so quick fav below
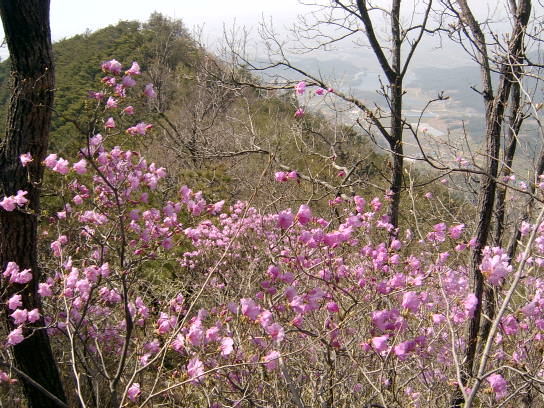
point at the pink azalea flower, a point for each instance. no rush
(15, 336)
(129, 110)
(153, 346)
(304, 214)
(78, 200)
(5, 378)
(80, 167)
(292, 175)
(217, 207)
(499, 385)
(456, 231)
(470, 304)
(112, 66)
(21, 277)
(299, 113)
(56, 246)
(276, 332)
(134, 69)
(332, 307)
(50, 161)
(19, 316)
(8, 203)
(110, 81)
(411, 301)
(376, 204)
(396, 245)
(179, 343)
(110, 123)
(250, 308)
(111, 103)
(280, 176)
(14, 302)
(120, 91)
(11, 269)
(509, 325)
(285, 219)
(380, 343)
(25, 159)
(196, 333)
(149, 91)
(402, 349)
(11, 202)
(96, 95)
(134, 392)
(139, 129)
(462, 162)
(33, 315)
(271, 360)
(212, 334)
(128, 81)
(525, 228)
(319, 91)
(95, 140)
(273, 271)
(195, 369)
(300, 88)
(265, 318)
(226, 346)
(165, 323)
(61, 166)
(495, 267)
(438, 318)
(20, 199)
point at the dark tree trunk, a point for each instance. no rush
(397, 153)
(515, 122)
(393, 70)
(396, 93)
(26, 26)
(495, 105)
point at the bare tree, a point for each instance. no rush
(495, 100)
(341, 20)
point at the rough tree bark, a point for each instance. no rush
(495, 104)
(26, 26)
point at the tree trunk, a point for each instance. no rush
(397, 156)
(495, 106)
(26, 26)
(396, 93)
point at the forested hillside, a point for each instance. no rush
(210, 130)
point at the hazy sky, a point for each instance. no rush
(70, 17)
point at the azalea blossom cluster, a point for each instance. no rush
(10, 203)
(300, 90)
(283, 176)
(328, 283)
(178, 296)
(118, 84)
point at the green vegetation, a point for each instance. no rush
(202, 115)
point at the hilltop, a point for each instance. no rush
(211, 132)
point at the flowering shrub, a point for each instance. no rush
(157, 298)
